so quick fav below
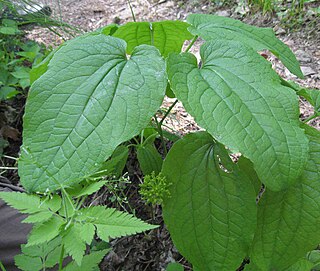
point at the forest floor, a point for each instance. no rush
(154, 250)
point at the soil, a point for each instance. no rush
(154, 250)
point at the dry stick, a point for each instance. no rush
(13, 187)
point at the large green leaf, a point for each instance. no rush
(167, 36)
(288, 221)
(90, 100)
(211, 211)
(211, 27)
(238, 99)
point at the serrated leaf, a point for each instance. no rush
(53, 203)
(25, 203)
(89, 262)
(239, 100)
(288, 221)
(167, 36)
(38, 217)
(73, 243)
(111, 223)
(149, 159)
(91, 99)
(211, 27)
(211, 211)
(48, 254)
(45, 232)
(86, 232)
(27, 263)
(91, 188)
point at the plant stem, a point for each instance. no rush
(311, 117)
(161, 135)
(191, 44)
(61, 258)
(168, 111)
(132, 12)
(10, 157)
(2, 267)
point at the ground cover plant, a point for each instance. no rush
(96, 96)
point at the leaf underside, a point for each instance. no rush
(211, 27)
(211, 211)
(288, 221)
(91, 99)
(239, 100)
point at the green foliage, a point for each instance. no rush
(39, 256)
(246, 96)
(75, 226)
(211, 27)
(83, 142)
(296, 212)
(200, 213)
(154, 188)
(167, 36)
(149, 158)
(96, 92)
(174, 267)
(17, 56)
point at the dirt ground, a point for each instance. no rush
(153, 251)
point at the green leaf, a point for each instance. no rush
(47, 254)
(86, 232)
(91, 99)
(8, 30)
(211, 27)
(89, 262)
(27, 263)
(42, 67)
(38, 217)
(301, 265)
(288, 221)
(246, 166)
(174, 267)
(115, 164)
(167, 36)
(90, 189)
(149, 159)
(73, 243)
(111, 223)
(45, 232)
(211, 211)
(21, 72)
(239, 100)
(7, 92)
(53, 203)
(26, 204)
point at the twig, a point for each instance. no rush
(13, 187)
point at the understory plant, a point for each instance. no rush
(102, 89)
